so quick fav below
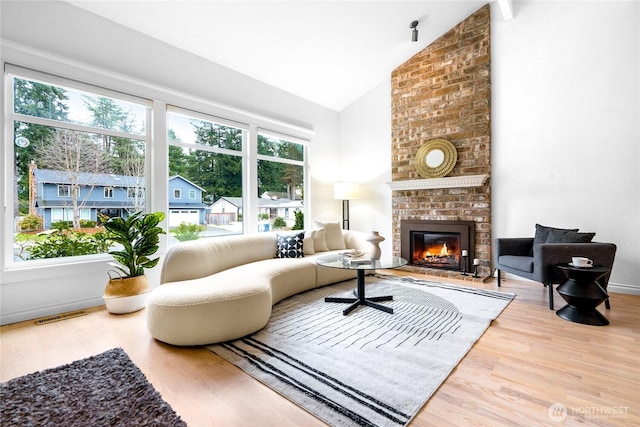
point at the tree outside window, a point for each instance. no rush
(208, 155)
(76, 156)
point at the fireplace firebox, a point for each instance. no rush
(436, 250)
(437, 244)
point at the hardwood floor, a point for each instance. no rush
(528, 360)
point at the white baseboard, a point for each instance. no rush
(618, 288)
(621, 288)
(21, 316)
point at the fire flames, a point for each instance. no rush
(443, 252)
(437, 255)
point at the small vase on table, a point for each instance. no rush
(374, 239)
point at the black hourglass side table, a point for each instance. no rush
(583, 294)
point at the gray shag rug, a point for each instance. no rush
(368, 368)
(103, 390)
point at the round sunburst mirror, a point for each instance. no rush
(436, 158)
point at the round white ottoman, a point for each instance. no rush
(208, 310)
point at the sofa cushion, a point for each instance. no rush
(319, 240)
(202, 257)
(522, 263)
(308, 248)
(290, 246)
(209, 309)
(285, 278)
(569, 236)
(333, 235)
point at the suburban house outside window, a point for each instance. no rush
(206, 155)
(281, 178)
(78, 150)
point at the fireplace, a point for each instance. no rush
(435, 250)
(438, 244)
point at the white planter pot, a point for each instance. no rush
(123, 305)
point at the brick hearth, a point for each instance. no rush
(444, 91)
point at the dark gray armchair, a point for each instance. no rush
(534, 260)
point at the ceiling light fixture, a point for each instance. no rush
(414, 33)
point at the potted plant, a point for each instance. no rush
(138, 236)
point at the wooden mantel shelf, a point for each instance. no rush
(446, 182)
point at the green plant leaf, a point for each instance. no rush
(138, 235)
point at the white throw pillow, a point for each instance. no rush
(333, 234)
(308, 246)
(318, 239)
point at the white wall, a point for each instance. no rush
(365, 151)
(57, 37)
(565, 127)
(565, 123)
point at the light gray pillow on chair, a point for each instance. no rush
(569, 236)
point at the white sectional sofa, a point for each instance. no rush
(222, 288)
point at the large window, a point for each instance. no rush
(81, 154)
(205, 162)
(78, 153)
(208, 157)
(280, 181)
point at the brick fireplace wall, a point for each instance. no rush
(444, 91)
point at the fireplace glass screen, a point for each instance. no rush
(436, 250)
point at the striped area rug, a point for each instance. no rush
(368, 368)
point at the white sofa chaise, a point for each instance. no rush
(222, 288)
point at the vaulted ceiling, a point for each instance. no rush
(329, 52)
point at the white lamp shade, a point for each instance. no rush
(346, 190)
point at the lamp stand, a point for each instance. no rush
(345, 214)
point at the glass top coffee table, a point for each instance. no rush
(361, 265)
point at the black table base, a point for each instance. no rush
(579, 315)
(360, 299)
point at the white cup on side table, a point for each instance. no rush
(579, 261)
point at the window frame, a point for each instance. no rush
(64, 191)
(16, 59)
(242, 154)
(11, 72)
(301, 163)
(132, 193)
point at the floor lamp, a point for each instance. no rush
(345, 191)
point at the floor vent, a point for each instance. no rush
(58, 317)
